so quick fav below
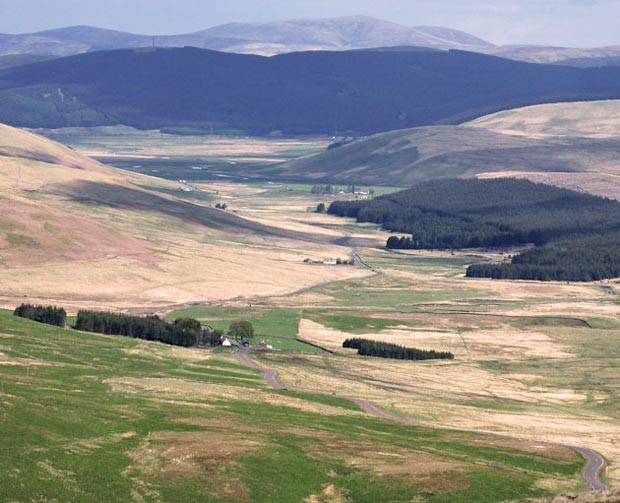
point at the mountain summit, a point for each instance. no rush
(355, 32)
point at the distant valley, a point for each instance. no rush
(307, 261)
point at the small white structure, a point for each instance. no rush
(226, 343)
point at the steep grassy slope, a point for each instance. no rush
(73, 228)
(311, 92)
(411, 155)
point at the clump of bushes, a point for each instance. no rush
(366, 347)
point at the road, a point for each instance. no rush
(591, 473)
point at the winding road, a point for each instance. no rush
(591, 473)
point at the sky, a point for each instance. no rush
(575, 23)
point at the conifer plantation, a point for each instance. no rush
(51, 315)
(576, 236)
(366, 347)
(185, 332)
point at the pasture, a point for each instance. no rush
(158, 423)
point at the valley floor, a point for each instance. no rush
(533, 361)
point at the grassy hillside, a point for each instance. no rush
(70, 223)
(408, 156)
(595, 119)
(83, 413)
(311, 92)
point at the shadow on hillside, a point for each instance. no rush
(118, 196)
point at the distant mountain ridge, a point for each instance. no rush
(317, 92)
(570, 56)
(271, 38)
(355, 32)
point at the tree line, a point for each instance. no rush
(366, 347)
(330, 189)
(575, 235)
(184, 332)
(50, 315)
(587, 259)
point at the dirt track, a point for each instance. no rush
(596, 462)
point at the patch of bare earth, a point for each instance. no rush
(400, 466)
(205, 455)
(329, 494)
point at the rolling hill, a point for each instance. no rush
(593, 119)
(300, 93)
(408, 156)
(353, 32)
(73, 228)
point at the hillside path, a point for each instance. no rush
(591, 473)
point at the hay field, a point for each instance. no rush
(175, 156)
(123, 141)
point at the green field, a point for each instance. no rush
(277, 327)
(148, 422)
